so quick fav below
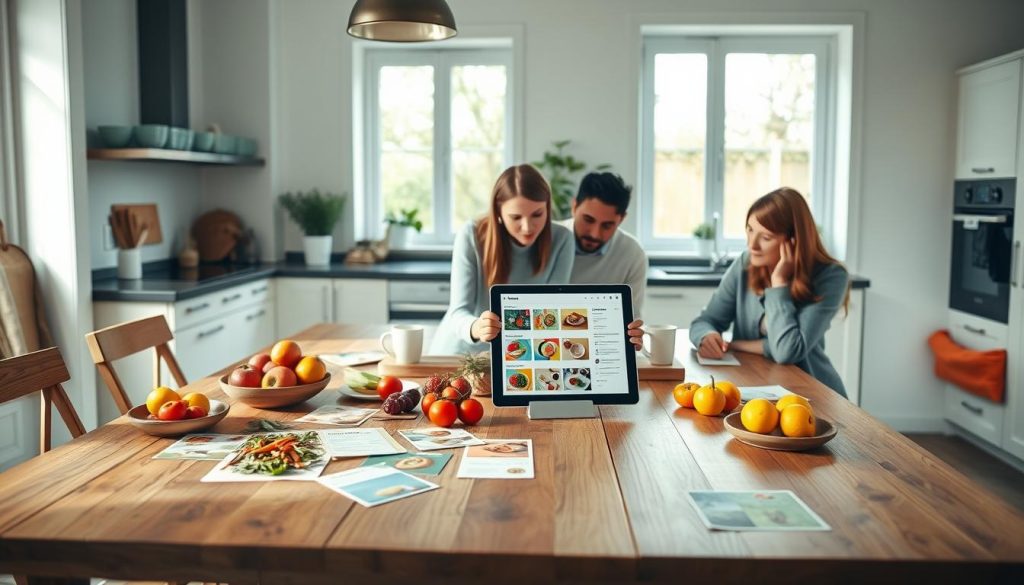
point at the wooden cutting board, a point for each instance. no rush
(145, 213)
(648, 372)
(432, 364)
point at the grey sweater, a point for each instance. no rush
(470, 296)
(795, 331)
(621, 261)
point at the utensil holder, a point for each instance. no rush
(129, 263)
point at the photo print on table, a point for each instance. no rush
(516, 320)
(545, 319)
(518, 380)
(548, 378)
(575, 348)
(547, 349)
(575, 319)
(577, 379)
(518, 350)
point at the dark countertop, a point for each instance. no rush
(163, 282)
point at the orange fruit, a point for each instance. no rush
(197, 399)
(683, 393)
(759, 416)
(709, 400)
(792, 399)
(286, 353)
(732, 394)
(158, 397)
(797, 420)
(310, 369)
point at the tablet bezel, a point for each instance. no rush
(632, 396)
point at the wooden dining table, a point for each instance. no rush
(609, 503)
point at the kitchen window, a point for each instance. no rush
(437, 134)
(724, 121)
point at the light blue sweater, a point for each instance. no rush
(795, 331)
(470, 296)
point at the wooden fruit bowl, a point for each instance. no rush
(824, 432)
(139, 416)
(274, 397)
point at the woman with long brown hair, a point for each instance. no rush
(515, 243)
(781, 294)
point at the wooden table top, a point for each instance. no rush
(609, 502)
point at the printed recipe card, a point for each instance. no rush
(376, 485)
(498, 459)
(431, 439)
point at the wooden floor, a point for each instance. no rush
(977, 464)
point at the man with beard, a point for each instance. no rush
(604, 253)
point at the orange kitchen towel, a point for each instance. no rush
(978, 372)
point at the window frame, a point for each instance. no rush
(717, 47)
(443, 61)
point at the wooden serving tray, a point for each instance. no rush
(432, 364)
(645, 371)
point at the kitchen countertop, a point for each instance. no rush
(162, 282)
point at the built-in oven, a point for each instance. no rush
(983, 254)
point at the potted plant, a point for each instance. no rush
(561, 171)
(316, 214)
(705, 234)
(399, 226)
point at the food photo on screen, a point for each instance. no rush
(548, 379)
(577, 379)
(517, 349)
(575, 348)
(545, 319)
(517, 319)
(546, 349)
(575, 319)
(518, 380)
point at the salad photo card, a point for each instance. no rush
(295, 455)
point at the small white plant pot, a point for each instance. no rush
(317, 250)
(704, 248)
(398, 237)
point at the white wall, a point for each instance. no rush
(581, 62)
(110, 55)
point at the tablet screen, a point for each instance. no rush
(563, 344)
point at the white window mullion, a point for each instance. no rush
(442, 150)
(715, 158)
(372, 206)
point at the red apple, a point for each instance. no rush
(279, 377)
(173, 410)
(269, 366)
(195, 412)
(245, 376)
(259, 360)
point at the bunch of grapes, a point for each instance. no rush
(400, 402)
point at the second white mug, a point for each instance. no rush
(663, 344)
(404, 343)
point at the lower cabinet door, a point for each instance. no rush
(208, 347)
(302, 302)
(256, 328)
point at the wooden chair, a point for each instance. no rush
(118, 341)
(40, 371)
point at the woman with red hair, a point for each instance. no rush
(781, 294)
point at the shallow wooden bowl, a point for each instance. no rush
(274, 397)
(824, 432)
(139, 416)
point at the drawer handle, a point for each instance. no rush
(255, 315)
(233, 297)
(210, 332)
(1013, 263)
(259, 290)
(975, 330)
(194, 308)
(445, 288)
(983, 170)
(666, 295)
(970, 407)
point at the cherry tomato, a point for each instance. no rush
(443, 413)
(428, 399)
(451, 393)
(387, 386)
(471, 411)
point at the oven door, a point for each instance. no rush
(980, 275)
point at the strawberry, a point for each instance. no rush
(435, 384)
(463, 386)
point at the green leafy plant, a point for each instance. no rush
(562, 172)
(405, 217)
(704, 231)
(315, 212)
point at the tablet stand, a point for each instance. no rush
(562, 409)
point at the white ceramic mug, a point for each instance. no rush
(663, 344)
(404, 343)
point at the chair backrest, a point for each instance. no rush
(40, 371)
(118, 341)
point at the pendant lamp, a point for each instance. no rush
(402, 21)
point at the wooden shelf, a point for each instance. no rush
(173, 156)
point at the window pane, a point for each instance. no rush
(769, 130)
(406, 173)
(478, 137)
(680, 128)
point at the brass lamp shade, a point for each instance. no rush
(402, 21)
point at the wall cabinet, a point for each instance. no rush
(987, 121)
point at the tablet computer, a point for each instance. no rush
(563, 343)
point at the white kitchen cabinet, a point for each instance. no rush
(988, 119)
(1013, 427)
(302, 302)
(360, 301)
(675, 305)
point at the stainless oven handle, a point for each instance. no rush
(966, 218)
(1014, 262)
(983, 170)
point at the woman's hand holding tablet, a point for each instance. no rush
(487, 327)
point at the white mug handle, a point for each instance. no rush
(643, 346)
(385, 344)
